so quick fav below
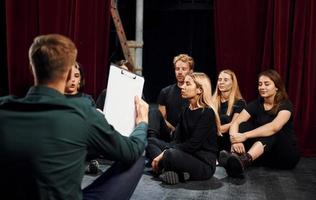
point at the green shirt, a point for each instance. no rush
(44, 138)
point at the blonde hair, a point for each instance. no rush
(233, 96)
(184, 58)
(203, 82)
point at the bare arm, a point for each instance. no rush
(141, 111)
(242, 117)
(163, 111)
(225, 127)
(264, 130)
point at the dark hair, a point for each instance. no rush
(281, 94)
(51, 56)
(82, 77)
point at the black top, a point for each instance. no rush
(44, 139)
(101, 100)
(238, 106)
(260, 116)
(170, 97)
(196, 134)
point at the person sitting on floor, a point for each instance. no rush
(162, 121)
(192, 154)
(76, 83)
(229, 103)
(45, 136)
(263, 132)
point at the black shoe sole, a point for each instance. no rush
(234, 166)
(169, 177)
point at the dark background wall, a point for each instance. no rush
(170, 28)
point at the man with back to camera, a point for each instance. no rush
(45, 136)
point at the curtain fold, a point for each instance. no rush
(85, 22)
(252, 36)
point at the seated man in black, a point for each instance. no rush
(170, 104)
(45, 136)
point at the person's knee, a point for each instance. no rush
(170, 154)
(168, 158)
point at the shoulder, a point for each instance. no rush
(166, 92)
(254, 106)
(169, 88)
(255, 102)
(286, 105)
(240, 102)
(208, 112)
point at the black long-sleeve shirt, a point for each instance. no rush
(196, 134)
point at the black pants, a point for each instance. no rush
(157, 126)
(280, 150)
(158, 134)
(154, 147)
(118, 182)
(223, 142)
(179, 161)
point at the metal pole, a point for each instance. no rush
(139, 36)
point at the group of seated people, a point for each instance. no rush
(47, 136)
(194, 128)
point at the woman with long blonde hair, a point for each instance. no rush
(192, 154)
(228, 102)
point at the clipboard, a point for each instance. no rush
(119, 106)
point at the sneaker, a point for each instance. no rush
(171, 177)
(223, 157)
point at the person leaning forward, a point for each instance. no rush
(45, 136)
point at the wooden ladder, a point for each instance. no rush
(120, 32)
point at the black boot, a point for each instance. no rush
(223, 157)
(236, 164)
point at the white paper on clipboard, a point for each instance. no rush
(119, 106)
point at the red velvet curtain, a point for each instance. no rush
(85, 22)
(255, 35)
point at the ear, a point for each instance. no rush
(198, 90)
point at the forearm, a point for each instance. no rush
(262, 131)
(170, 126)
(234, 128)
(225, 128)
(139, 135)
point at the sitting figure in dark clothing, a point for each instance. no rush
(229, 103)
(192, 154)
(263, 132)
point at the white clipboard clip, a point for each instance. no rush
(128, 74)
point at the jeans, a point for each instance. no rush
(118, 182)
